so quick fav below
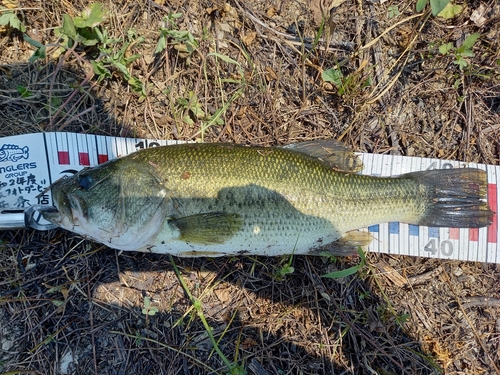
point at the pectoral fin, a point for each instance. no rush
(208, 228)
(331, 152)
(346, 245)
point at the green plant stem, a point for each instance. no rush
(199, 311)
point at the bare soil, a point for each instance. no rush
(70, 306)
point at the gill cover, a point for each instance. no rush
(120, 203)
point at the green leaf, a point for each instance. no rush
(25, 93)
(10, 18)
(467, 53)
(90, 17)
(421, 4)
(16, 24)
(69, 27)
(175, 15)
(348, 271)
(198, 112)
(183, 102)
(438, 5)
(469, 42)
(128, 60)
(450, 11)
(287, 270)
(342, 273)
(137, 86)
(80, 22)
(334, 76)
(224, 58)
(162, 44)
(393, 11)
(39, 53)
(403, 318)
(122, 68)
(460, 61)
(153, 310)
(5, 18)
(445, 48)
(217, 120)
(33, 42)
(96, 15)
(187, 119)
(100, 70)
(88, 37)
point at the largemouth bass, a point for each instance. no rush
(224, 199)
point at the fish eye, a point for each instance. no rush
(85, 182)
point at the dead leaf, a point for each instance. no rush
(391, 274)
(478, 15)
(271, 12)
(321, 8)
(223, 294)
(248, 343)
(225, 27)
(248, 38)
(10, 4)
(336, 3)
(229, 13)
(270, 75)
(65, 293)
(442, 353)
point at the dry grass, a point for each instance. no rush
(70, 306)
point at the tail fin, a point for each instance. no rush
(456, 198)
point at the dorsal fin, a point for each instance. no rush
(330, 151)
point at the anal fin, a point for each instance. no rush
(347, 245)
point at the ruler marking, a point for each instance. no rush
(482, 233)
(62, 149)
(463, 244)
(495, 174)
(120, 148)
(413, 230)
(112, 148)
(83, 152)
(52, 141)
(427, 246)
(384, 227)
(73, 149)
(395, 228)
(373, 229)
(473, 233)
(91, 146)
(454, 233)
(49, 171)
(381, 230)
(493, 201)
(102, 149)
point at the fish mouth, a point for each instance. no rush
(68, 213)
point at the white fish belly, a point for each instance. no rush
(256, 238)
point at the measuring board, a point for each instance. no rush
(30, 163)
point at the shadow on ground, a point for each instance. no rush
(70, 306)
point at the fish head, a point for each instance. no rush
(121, 203)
